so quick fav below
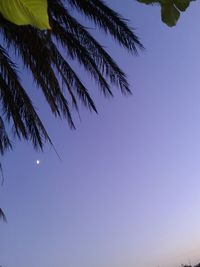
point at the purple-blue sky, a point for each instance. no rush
(127, 192)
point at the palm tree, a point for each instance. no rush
(41, 53)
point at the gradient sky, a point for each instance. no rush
(127, 191)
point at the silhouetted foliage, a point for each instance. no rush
(2, 216)
(170, 9)
(188, 265)
(40, 52)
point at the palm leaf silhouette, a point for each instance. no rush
(41, 53)
(2, 216)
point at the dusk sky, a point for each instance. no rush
(127, 189)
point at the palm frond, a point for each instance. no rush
(70, 79)
(37, 58)
(102, 59)
(77, 51)
(108, 20)
(2, 216)
(42, 55)
(16, 105)
(5, 142)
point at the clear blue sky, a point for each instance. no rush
(127, 190)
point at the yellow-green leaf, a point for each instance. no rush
(26, 12)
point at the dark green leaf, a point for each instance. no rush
(170, 14)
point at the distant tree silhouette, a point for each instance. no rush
(188, 265)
